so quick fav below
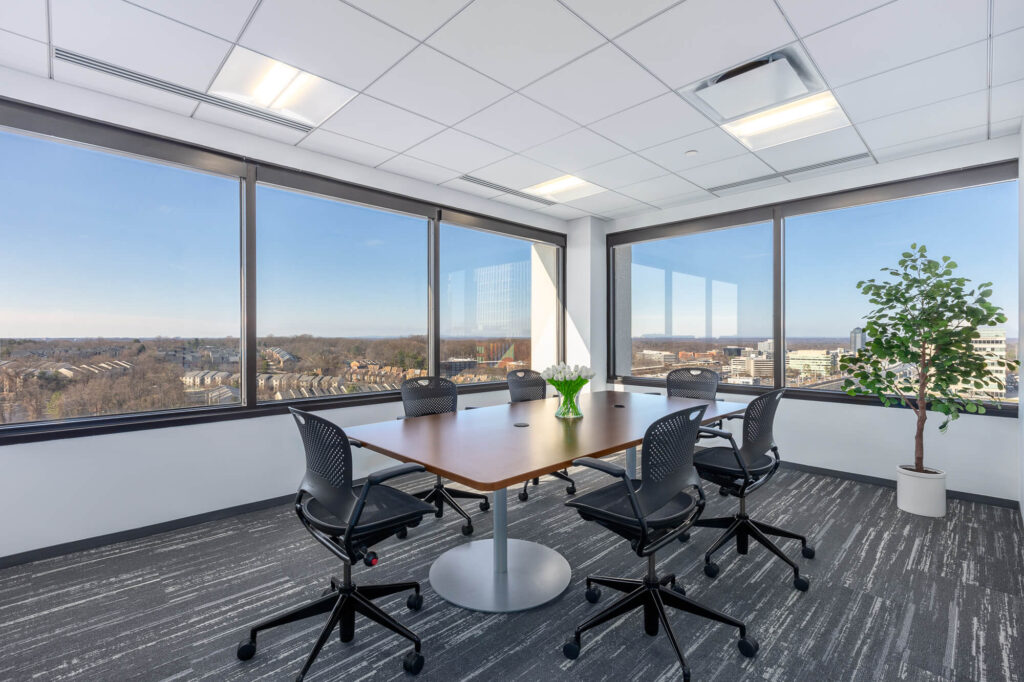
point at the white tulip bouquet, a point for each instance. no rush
(568, 381)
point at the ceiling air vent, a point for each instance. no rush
(507, 190)
(134, 76)
(793, 171)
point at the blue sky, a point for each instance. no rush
(96, 244)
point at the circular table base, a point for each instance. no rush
(465, 576)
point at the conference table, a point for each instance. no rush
(501, 446)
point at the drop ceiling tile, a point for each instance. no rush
(119, 87)
(835, 144)
(515, 42)
(932, 144)
(421, 170)
(248, 124)
(437, 87)
(25, 17)
(517, 172)
(951, 74)
(595, 85)
(1007, 15)
(516, 123)
(656, 121)
(893, 35)
(728, 171)
(625, 170)
(665, 188)
(452, 149)
(604, 202)
(472, 188)
(612, 17)
(346, 148)
(562, 211)
(516, 200)
(224, 18)
(711, 145)
(24, 54)
(714, 38)
(1008, 57)
(808, 16)
(1003, 128)
(954, 114)
(327, 38)
(579, 149)
(1007, 101)
(415, 17)
(380, 123)
(629, 211)
(137, 39)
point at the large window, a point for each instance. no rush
(828, 252)
(498, 304)
(342, 297)
(120, 284)
(701, 299)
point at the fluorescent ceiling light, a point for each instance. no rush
(794, 121)
(564, 188)
(257, 81)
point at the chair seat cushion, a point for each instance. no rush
(611, 503)
(722, 461)
(385, 508)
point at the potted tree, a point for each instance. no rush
(921, 354)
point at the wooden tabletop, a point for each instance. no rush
(484, 449)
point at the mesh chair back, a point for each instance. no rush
(526, 384)
(429, 395)
(328, 462)
(667, 458)
(758, 421)
(700, 383)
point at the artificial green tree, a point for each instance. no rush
(926, 319)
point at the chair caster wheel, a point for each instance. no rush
(723, 492)
(571, 650)
(808, 552)
(684, 537)
(438, 513)
(467, 529)
(524, 496)
(246, 650)
(413, 662)
(402, 534)
(801, 583)
(748, 646)
(593, 594)
(370, 559)
(414, 602)
(711, 569)
(570, 489)
(536, 481)
(485, 505)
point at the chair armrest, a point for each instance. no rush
(733, 416)
(606, 467)
(718, 433)
(378, 477)
(400, 418)
(356, 443)
(470, 407)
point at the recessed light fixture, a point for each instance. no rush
(805, 117)
(564, 188)
(258, 81)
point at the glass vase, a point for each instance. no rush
(569, 406)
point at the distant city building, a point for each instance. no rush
(857, 339)
(733, 351)
(752, 366)
(818, 362)
(992, 343)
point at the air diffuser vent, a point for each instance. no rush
(507, 190)
(793, 171)
(113, 70)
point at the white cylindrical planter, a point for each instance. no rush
(921, 493)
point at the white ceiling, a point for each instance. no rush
(521, 92)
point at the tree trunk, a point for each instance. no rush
(919, 441)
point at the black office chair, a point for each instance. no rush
(523, 385)
(699, 383)
(424, 396)
(740, 471)
(651, 513)
(348, 520)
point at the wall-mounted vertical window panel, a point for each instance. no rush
(499, 304)
(342, 302)
(120, 284)
(700, 299)
(828, 252)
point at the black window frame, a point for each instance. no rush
(31, 120)
(777, 213)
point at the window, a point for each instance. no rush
(703, 298)
(341, 295)
(120, 283)
(828, 252)
(498, 304)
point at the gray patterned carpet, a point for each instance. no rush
(893, 597)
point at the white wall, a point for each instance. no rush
(586, 341)
(59, 491)
(1020, 319)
